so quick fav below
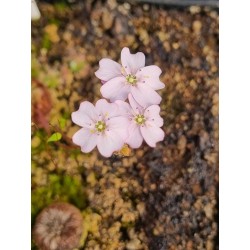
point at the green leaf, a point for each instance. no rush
(46, 43)
(62, 123)
(55, 137)
(76, 66)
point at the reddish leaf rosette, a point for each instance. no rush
(58, 227)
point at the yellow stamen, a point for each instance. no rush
(140, 119)
(131, 79)
(100, 126)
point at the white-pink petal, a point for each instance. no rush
(85, 115)
(124, 108)
(137, 108)
(134, 139)
(109, 142)
(132, 62)
(115, 89)
(106, 110)
(85, 139)
(152, 115)
(150, 76)
(152, 134)
(108, 69)
(119, 125)
(145, 95)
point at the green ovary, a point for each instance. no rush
(131, 79)
(100, 126)
(140, 119)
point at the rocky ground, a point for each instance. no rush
(156, 199)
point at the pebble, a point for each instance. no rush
(107, 19)
(141, 208)
(208, 209)
(197, 25)
(194, 9)
(51, 30)
(134, 244)
(35, 142)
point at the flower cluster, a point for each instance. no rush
(110, 125)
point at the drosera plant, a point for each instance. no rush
(58, 227)
(111, 125)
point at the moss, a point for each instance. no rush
(61, 5)
(91, 222)
(36, 149)
(46, 43)
(41, 134)
(76, 151)
(54, 21)
(59, 188)
(34, 67)
(51, 80)
(76, 66)
(33, 246)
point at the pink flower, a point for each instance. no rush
(130, 77)
(102, 126)
(145, 123)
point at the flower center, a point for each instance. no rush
(140, 119)
(131, 79)
(100, 126)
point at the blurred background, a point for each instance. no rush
(150, 198)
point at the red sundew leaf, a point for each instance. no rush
(41, 105)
